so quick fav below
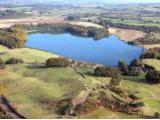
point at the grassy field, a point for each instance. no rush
(3, 48)
(131, 22)
(155, 35)
(153, 62)
(86, 24)
(151, 46)
(27, 54)
(26, 87)
(148, 93)
(104, 113)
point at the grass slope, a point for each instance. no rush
(26, 87)
(28, 55)
(152, 62)
(147, 92)
(3, 48)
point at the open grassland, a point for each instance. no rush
(3, 48)
(151, 46)
(154, 35)
(127, 34)
(131, 22)
(5, 25)
(152, 62)
(153, 19)
(87, 24)
(27, 54)
(27, 87)
(147, 92)
(103, 113)
(30, 20)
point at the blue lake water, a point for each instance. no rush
(107, 51)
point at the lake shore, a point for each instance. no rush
(127, 35)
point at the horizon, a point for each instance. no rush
(103, 1)
(82, 1)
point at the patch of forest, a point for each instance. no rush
(13, 37)
(96, 33)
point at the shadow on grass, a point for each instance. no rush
(37, 66)
(139, 79)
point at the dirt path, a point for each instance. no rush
(10, 109)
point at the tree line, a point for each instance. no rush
(13, 37)
(96, 33)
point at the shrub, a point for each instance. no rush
(153, 76)
(14, 61)
(157, 115)
(123, 66)
(115, 81)
(57, 62)
(153, 53)
(4, 114)
(133, 71)
(137, 104)
(106, 72)
(133, 97)
(136, 63)
(2, 64)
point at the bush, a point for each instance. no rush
(136, 63)
(153, 76)
(123, 66)
(106, 72)
(115, 81)
(57, 62)
(2, 64)
(153, 53)
(133, 71)
(14, 61)
(137, 104)
(157, 115)
(4, 114)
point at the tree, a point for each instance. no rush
(133, 71)
(136, 63)
(58, 62)
(1, 88)
(2, 64)
(13, 37)
(123, 66)
(106, 72)
(14, 61)
(153, 76)
(115, 81)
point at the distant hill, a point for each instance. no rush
(78, 1)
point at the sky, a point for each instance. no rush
(110, 1)
(86, 1)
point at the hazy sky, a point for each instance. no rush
(111, 1)
(86, 1)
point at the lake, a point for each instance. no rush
(107, 51)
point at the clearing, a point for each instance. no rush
(152, 62)
(27, 54)
(86, 24)
(127, 34)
